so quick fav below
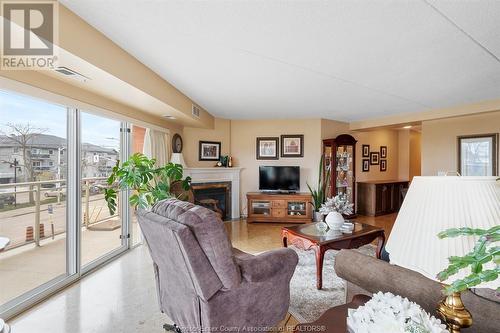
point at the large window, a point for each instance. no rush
(477, 155)
(33, 204)
(54, 221)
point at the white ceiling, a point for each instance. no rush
(345, 60)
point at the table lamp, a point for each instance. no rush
(434, 204)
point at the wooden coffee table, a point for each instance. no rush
(308, 237)
(333, 320)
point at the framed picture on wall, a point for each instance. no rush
(366, 165)
(267, 148)
(383, 165)
(478, 155)
(209, 151)
(383, 151)
(365, 150)
(292, 145)
(375, 158)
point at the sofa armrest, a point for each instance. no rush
(374, 275)
(266, 265)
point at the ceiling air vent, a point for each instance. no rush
(71, 73)
(196, 111)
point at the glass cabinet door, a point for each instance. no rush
(344, 170)
(327, 166)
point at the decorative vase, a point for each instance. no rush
(318, 217)
(334, 220)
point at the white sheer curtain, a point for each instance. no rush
(157, 145)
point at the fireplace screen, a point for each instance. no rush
(214, 196)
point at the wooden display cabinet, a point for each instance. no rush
(288, 208)
(340, 158)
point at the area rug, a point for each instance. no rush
(306, 302)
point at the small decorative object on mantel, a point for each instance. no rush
(209, 151)
(389, 313)
(292, 145)
(334, 208)
(267, 148)
(365, 151)
(374, 158)
(230, 162)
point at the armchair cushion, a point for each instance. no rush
(210, 233)
(266, 265)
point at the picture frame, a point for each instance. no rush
(292, 145)
(375, 158)
(383, 165)
(366, 165)
(365, 150)
(383, 151)
(468, 148)
(267, 148)
(209, 151)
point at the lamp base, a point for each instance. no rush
(454, 313)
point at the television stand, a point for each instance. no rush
(279, 208)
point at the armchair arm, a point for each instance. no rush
(266, 265)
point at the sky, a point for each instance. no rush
(15, 108)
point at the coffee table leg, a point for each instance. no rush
(320, 254)
(380, 245)
(285, 239)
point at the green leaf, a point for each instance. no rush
(150, 184)
(455, 232)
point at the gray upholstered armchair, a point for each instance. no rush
(205, 284)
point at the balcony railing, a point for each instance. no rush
(42, 195)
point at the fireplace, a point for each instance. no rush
(215, 196)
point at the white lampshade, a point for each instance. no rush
(177, 158)
(434, 204)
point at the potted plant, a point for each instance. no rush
(149, 183)
(485, 252)
(335, 208)
(319, 194)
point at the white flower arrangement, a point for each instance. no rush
(388, 313)
(339, 204)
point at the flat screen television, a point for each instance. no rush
(279, 178)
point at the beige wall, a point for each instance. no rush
(439, 139)
(376, 139)
(415, 167)
(238, 139)
(243, 149)
(192, 136)
(331, 129)
(404, 154)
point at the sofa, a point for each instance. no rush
(203, 283)
(367, 275)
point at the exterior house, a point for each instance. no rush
(46, 155)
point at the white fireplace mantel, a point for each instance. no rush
(214, 175)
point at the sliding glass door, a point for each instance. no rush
(101, 147)
(54, 221)
(33, 206)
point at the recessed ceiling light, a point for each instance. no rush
(407, 127)
(168, 117)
